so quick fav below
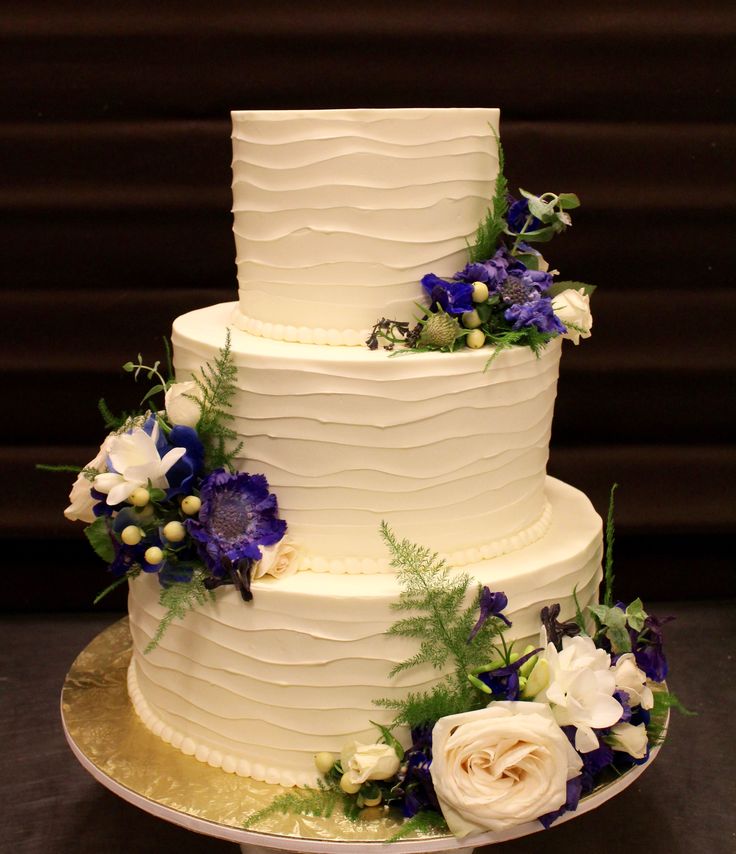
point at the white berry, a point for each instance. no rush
(348, 786)
(153, 555)
(475, 339)
(132, 535)
(480, 291)
(191, 504)
(324, 761)
(471, 319)
(174, 532)
(140, 497)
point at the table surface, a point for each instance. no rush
(683, 803)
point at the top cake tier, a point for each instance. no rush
(339, 213)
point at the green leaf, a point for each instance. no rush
(541, 235)
(151, 392)
(129, 367)
(568, 201)
(559, 287)
(100, 538)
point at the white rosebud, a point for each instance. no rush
(573, 306)
(633, 681)
(181, 409)
(362, 762)
(629, 738)
(278, 560)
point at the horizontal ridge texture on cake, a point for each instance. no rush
(339, 213)
(258, 688)
(443, 451)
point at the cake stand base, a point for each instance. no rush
(115, 747)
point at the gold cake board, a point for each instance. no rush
(113, 745)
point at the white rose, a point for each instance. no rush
(361, 762)
(180, 407)
(279, 560)
(580, 689)
(80, 497)
(501, 766)
(633, 681)
(629, 738)
(573, 306)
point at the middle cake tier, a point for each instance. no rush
(442, 449)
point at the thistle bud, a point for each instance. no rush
(439, 330)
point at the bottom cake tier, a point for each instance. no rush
(258, 688)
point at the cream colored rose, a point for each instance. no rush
(80, 498)
(501, 766)
(629, 738)
(182, 406)
(361, 762)
(631, 679)
(573, 307)
(279, 560)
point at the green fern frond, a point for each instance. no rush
(320, 802)
(178, 599)
(492, 226)
(217, 387)
(426, 821)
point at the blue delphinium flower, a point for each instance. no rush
(182, 474)
(238, 514)
(648, 650)
(490, 605)
(573, 791)
(417, 786)
(504, 681)
(453, 297)
(536, 312)
(517, 215)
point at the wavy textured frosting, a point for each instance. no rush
(429, 442)
(257, 689)
(339, 213)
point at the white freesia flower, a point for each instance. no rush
(80, 497)
(580, 689)
(361, 762)
(631, 679)
(501, 766)
(180, 407)
(629, 738)
(135, 461)
(279, 560)
(573, 306)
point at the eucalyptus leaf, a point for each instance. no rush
(541, 210)
(529, 260)
(568, 201)
(151, 392)
(128, 367)
(100, 538)
(636, 615)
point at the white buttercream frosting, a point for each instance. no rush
(339, 213)
(429, 442)
(258, 688)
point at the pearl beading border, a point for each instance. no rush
(300, 334)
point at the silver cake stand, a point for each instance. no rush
(110, 742)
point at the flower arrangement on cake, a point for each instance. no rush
(505, 295)
(505, 736)
(162, 495)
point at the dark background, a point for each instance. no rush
(115, 158)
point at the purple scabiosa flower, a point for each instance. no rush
(491, 605)
(537, 312)
(453, 297)
(517, 215)
(492, 272)
(238, 514)
(537, 279)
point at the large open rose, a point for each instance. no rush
(501, 766)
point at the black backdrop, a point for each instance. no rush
(115, 152)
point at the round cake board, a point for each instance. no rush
(114, 746)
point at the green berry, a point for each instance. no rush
(174, 532)
(439, 330)
(191, 504)
(373, 802)
(153, 555)
(132, 535)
